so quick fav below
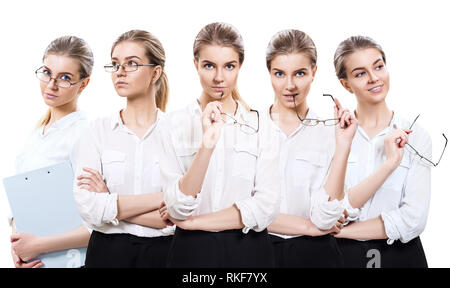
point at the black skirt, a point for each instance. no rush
(224, 249)
(126, 251)
(378, 254)
(307, 252)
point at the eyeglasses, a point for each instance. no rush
(315, 122)
(46, 76)
(127, 67)
(424, 160)
(244, 127)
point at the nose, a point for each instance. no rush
(290, 85)
(218, 77)
(52, 84)
(120, 72)
(372, 76)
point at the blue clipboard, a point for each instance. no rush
(42, 204)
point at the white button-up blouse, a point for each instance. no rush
(403, 200)
(241, 172)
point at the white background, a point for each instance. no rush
(414, 35)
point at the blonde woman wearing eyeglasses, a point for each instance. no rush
(313, 156)
(226, 199)
(66, 70)
(121, 158)
(389, 187)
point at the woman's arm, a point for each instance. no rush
(365, 230)
(361, 193)
(27, 246)
(151, 219)
(295, 226)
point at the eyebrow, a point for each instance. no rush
(63, 73)
(208, 61)
(298, 70)
(126, 58)
(361, 68)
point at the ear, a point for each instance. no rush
(314, 70)
(345, 84)
(84, 84)
(156, 74)
(196, 64)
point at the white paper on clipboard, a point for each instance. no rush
(42, 204)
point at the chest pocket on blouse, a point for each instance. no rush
(397, 178)
(308, 166)
(244, 161)
(186, 156)
(113, 163)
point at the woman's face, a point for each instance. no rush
(136, 83)
(62, 68)
(218, 69)
(367, 75)
(291, 76)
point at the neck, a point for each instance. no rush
(59, 112)
(140, 111)
(373, 116)
(227, 101)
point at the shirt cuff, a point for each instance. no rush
(353, 213)
(325, 213)
(247, 217)
(183, 206)
(390, 228)
(110, 213)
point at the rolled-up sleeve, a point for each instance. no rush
(408, 221)
(325, 213)
(179, 205)
(95, 209)
(262, 208)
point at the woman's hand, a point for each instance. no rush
(183, 224)
(394, 145)
(165, 214)
(212, 124)
(346, 128)
(18, 263)
(92, 181)
(26, 247)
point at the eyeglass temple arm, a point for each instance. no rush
(443, 150)
(329, 95)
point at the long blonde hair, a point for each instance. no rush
(155, 54)
(75, 48)
(222, 34)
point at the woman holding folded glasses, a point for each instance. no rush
(313, 156)
(66, 70)
(389, 186)
(226, 199)
(119, 182)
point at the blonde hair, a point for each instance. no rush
(222, 34)
(288, 42)
(75, 48)
(155, 54)
(349, 46)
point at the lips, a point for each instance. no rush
(121, 84)
(376, 89)
(217, 88)
(50, 96)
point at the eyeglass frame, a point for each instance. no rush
(124, 69)
(55, 79)
(244, 124)
(423, 157)
(317, 121)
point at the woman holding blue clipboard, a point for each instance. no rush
(65, 73)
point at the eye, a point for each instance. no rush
(208, 66)
(360, 74)
(114, 64)
(379, 67)
(229, 66)
(46, 72)
(279, 74)
(300, 73)
(65, 78)
(132, 63)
